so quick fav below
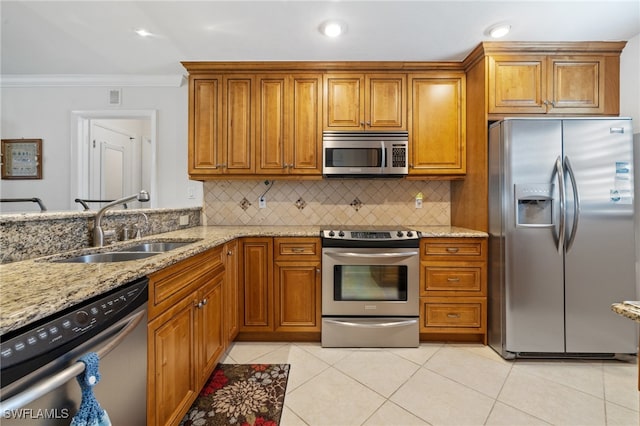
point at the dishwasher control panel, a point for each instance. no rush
(83, 320)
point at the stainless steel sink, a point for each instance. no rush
(112, 256)
(136, 252)
(158, 247)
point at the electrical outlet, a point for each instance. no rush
(184, 220)
(262, 202)
(418, 203)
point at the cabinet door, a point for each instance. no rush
(209, 326)
(297, 296)
(231, 297)
(305, 148)
(272, 127)
(437, 125)
(344, 101)
(204, 126)
(238, 124)
(256, 278)
(576, 85)
(517, 84)
(172, 382)
(385, 100)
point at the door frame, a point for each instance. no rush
(79, 186)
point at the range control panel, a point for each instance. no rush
(371, 235)
(79, 321)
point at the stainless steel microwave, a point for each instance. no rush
(365, 154)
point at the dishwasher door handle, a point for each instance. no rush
(45, 386)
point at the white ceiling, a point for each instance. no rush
(97, 37)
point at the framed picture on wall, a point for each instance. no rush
(21, 158)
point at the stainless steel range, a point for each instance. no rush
(370, 287)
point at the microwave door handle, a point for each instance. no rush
(383, 162)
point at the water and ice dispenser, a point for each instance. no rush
(534, 205)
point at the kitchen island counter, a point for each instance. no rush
(34, 289)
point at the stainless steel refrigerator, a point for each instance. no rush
(562, 246)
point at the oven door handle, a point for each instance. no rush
(373, 325)
(373, 255)
(45, 386)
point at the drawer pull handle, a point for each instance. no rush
(453, 315)
(297, 249)
(453, 279)
(453, 249)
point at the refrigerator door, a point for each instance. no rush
(600, 260)
(534, 287)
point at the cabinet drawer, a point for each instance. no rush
(456, 279)
(452, 315)
(454, 248)
(171, 284)
(296, 248)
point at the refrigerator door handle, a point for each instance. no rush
(561, 230)
(576, 203)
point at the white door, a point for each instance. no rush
(111, 155)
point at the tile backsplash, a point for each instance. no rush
(327, 202)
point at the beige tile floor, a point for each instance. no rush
(445, 384)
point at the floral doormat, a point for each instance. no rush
(241, 395)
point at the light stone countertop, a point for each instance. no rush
(626, 309)
(34, 289)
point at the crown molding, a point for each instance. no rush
(91, 80)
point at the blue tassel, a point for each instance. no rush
(90, 412)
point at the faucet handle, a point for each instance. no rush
(110, 236)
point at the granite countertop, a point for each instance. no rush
(630, 310)
(34, 289)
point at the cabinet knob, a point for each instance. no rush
(230, 253)
(369, 123)
(318, 270)
(204, 302)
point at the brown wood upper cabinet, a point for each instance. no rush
(205, 114)
(221, 111)
(540, 84)
(288, 124)
(255, 124)
(437, 124)
(365, 101)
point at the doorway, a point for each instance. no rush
(115, 153)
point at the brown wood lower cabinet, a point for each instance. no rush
(279, 288)
(186, 334)
(453, 289)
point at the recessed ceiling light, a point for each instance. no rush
(142, 32)
(499, 30)
(333, 28)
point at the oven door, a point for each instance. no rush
(370, 282)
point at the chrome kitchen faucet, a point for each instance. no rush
(98, 233)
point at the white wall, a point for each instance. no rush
(44, 113)
(630, 82)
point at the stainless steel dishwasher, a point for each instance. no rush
(39, 361)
